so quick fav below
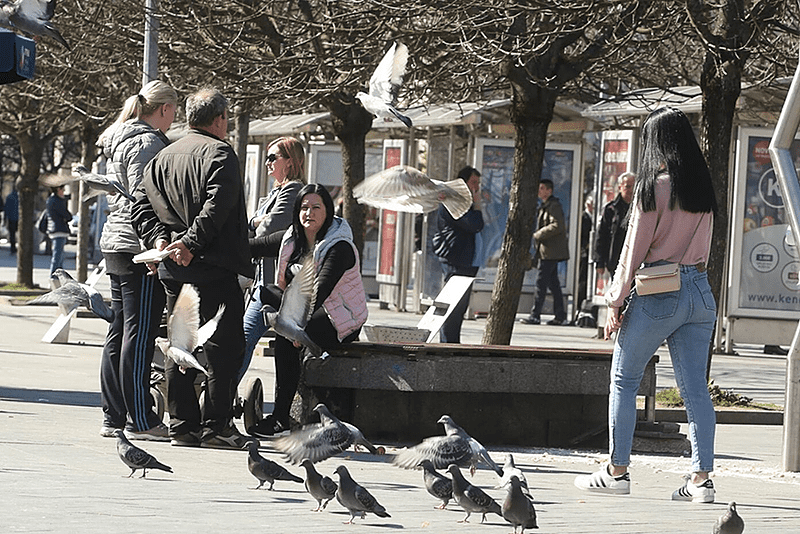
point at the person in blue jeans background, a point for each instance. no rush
(57, 229)
(454, 245)
(670, 221)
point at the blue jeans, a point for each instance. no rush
(254, 327)
(685, 318)
(57, 257)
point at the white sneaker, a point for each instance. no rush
(695, 492)
(603, 482)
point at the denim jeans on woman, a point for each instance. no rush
(685, 318)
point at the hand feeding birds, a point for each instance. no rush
(321, 487)
(385, 83)
(70, 294)
(471, 498)
(184, 333)
(455, 447)
(31, 17)
(356, 498)
(266, 470)
(404, 188)
(136, 458)
(319, 441)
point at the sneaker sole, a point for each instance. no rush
(606, 491)
(145, 437)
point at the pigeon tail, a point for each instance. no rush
(402, 118)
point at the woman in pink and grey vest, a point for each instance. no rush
(339, 308)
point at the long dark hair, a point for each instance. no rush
(668, 141)
(301, 246)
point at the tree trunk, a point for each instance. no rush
(88, 135)
(531, 112)
(351, 123)
(31, 149)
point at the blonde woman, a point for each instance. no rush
(286, 165)
(136, 298)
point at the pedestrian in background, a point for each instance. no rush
(12, 216)
(551, 248)
(613, 223)
(671, 222)
(455, 246)
(57, 228)
(137, 299)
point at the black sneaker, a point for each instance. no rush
(230, 438)
(531, 320)
(190, 439)
(267, 427)
(556, 322)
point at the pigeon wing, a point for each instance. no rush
(388, 76)
(479, 453)
(205, 332)
(185, 319)
(457, 197)
(316, 442)
(440, 450)
(97, 304)
(296, 301)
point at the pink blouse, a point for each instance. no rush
(663, 234)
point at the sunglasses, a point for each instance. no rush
(272, 158)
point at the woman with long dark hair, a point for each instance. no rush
(670, 221)
(339, 307)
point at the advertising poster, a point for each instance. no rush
(496, 163)
(767, 259)
(388, 233)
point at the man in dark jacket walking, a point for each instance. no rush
(454, 245)
(612, 229)
(191, 202)
(551, 248)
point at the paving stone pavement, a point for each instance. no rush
(58, 475)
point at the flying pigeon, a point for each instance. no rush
(455, 447)
(266, 470)
(436, 483)
(385, 84)
(356, 498)
(99, 183)
(403, 188)
(184, 333)
(511, 470)
(136, 458)
(319, 441)
(31, 17)
(70, 294)
(290, 321)
(322, 488)
(518, 508)
(730, 522)
(471, 498)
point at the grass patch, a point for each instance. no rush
(16, 287)
(722, 398)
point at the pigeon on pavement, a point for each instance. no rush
(136, 458)
(184, 333)
(319, 441)
(730, 522)
(290, 321)
(322, 488)
(455, 447)
(99, 184)
(385, 83)
(511, 470)
(404, 188)
(70, 294)
(471, 498)
(356, 498)
(518, 508)
(31, 17)
(436, 483)
(266, 470)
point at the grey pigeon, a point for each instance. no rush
(455, 447)
(518, 508)
(730, 522)
(511, 470)
(319, 441)
(471, 498)
(99, 184)
(436, 483)
(290, 321)
(384, 84)
(356, 498)
(403, 188)
(322, 488)
(266, 470)
(31, 17)
(70, 294)
(184, 333)
(136, 458)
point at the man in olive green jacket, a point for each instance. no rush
(551, 248)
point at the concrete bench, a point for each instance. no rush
(503, 395)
